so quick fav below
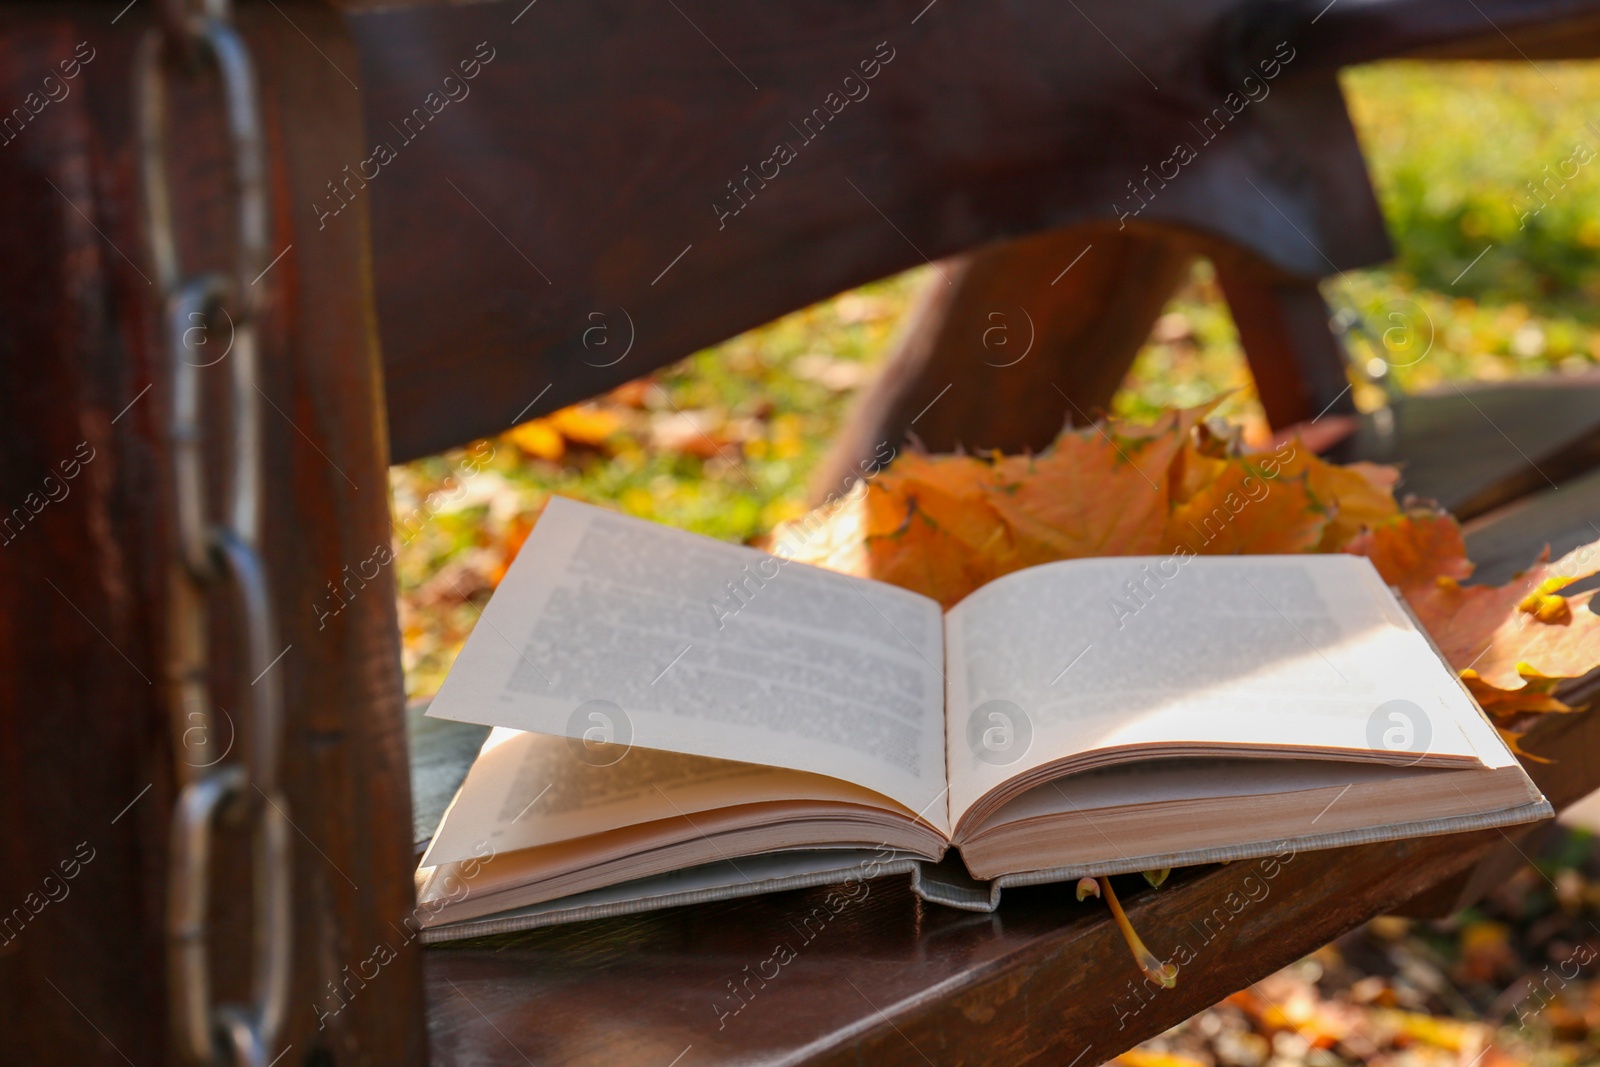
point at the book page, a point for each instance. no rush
(526, 790)
(1243, 652)
(612, 630)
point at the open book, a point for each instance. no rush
(681, 719)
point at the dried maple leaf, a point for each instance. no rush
(539, 438)
(1242, 511)
(920, 554)
(1498, 637)
(1089, 495)
(1298, 502)
(1355, 497)
(1537, 696)
(945, 525)
(1417, 548)
(1507, 634)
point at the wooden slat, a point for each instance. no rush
(78, 704)
(1560, 518)
(1295, 359)
(328, 522)
(1477, 447)
(582, 174)
(1377, 29)
(1007, 345)
(88, 756)
(1442, 29)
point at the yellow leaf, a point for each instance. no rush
(587, 424)
(540, 438)
(1140, 1057)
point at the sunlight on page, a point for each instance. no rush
(640, 634)
(1241, 652)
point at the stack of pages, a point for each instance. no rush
(679, 719)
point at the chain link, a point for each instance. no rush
(217, 557)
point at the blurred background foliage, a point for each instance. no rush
(1489, 177)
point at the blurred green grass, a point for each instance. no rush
(1452, 148)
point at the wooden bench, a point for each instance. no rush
(1046, 979)
(450, 295)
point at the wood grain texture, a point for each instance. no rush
(1007, 345)
(80, 580)
(1560, 519)
(329, 525)
(1442, 29)
(1476, 448)
(589, 171)
(89, 751)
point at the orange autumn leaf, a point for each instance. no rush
(1139, 1057)
(919, 554)
(587, 424)
(1085, 497)
(949, 490)
(1488, 630)
(1535, 697)
(1095, 492)
(1202, 455)
(1417, 548)
(547, 437)
(1335, 502)
(1243, 512)
(1355, 497)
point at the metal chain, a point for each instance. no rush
(217, 555)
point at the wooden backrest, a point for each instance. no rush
(665, 176)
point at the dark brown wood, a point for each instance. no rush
(88, 760)
(1560, 519)
(1295, 359)
(588, 172)
(1435, 29)
(345, 754)
(625, 203)
(1572, 746)
(1010, 343)
(1475, 448)
(79, 588)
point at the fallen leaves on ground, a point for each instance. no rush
(590, 425)
(1508, 982)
